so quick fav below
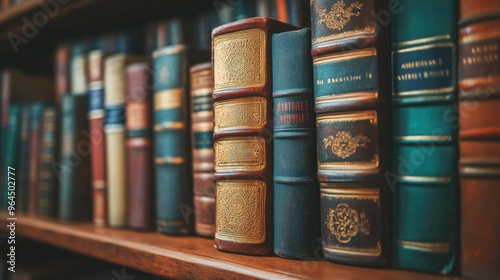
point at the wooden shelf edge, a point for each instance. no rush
(185, 257)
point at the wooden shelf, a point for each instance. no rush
(186, 257)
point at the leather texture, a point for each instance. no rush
(242, 61)
(352, 91)
(139, 147)
(296, 189)
(73, 168)
(479, 134)
(425, 197)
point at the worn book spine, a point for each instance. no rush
(47, 188)
(424, 77)
(479, 167)
(243, 148)
(36, 111)
(11, 157)
(115, 84)
(95, 61)
(62, 71)
(139, 147)
(296, 190)
(172, 150)
(202, 145)
(22, 175)
(78, 68)
(73, 167)
(352, 90)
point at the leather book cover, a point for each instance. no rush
(47, 180)
(36, 111)
(243, 148)
(352, 88)
(172, 150)
(139, 147)
(78, 68)
(22, 174)
(479, 167)
(295, 12)
(73, 167)
(296, 190)
(62, 75)
(11, 156)
(202, 146)
(425, 93)
(115, 83)
(174, 31)
(95, 61)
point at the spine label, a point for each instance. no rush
(293, 112)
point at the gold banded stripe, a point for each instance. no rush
(425, 179)
(480, 36)
(169, 125)
(168, 99)
(335, 57)
(169, 50)
(171, 160)
(422, 41)
(434, 247)
(367, 252)
(433, 138)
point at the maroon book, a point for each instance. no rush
(139, 150)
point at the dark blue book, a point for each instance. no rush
(22, 174)
(11, 156)
(296, 191)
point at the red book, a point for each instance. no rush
(63, 56)
(139, 150)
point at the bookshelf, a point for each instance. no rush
(187, 257)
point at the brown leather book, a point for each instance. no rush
(139, 149)
(479, 81)
(202, 144)
(243, 150)
(352, 90)
(62, 60)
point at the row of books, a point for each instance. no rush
(289, 134)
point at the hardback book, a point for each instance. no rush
(295, 12)
(172, 150)
(47, 180)
(62, 71)
(243, 148)
(352, 102)
(22, 172)
(115, 83)
(174, 31)
(205, 21)
(296, 189)
(202, 146)
(95, 62)
(11, 156)
(73, 167)
(36, 111)
(139, 147)
(243, 9)
(479, 167)
(425, 199)
(78, 65)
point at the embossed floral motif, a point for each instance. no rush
(339, 14)
(344, 144)
(345, 223)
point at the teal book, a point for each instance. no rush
(296, 190)
(22, 174)
(11, 155)
(172, 146)
(424, 176)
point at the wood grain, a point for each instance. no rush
(186, 257)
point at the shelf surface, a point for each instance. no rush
(186, 257)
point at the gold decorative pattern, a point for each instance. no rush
(344, 144)
(168, 99)
(240, 113)
(240, 154)
(240, 211)
(345, 223)
(339, 15)
(239, 59)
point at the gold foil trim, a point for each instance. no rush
(169, 160)
(95, 63)
(425, 179)
(241, 211)
(169, 126)
(422, 41)
(434, 247)
(169, 50)
(339, 14)
(168, 99)
(480, 36)
(426, 47)
(240, 113)
(336, 57)
(240, 154)
(431, 138)
(346, 97)
(367, 252)
(240, 59)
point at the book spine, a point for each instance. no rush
(78, 72)
(425, 197)
(36, 112)
(73, 168)
(5, 88)
(96, 126)
(47, 193)
(479, 167)
(241, 54)
(352, 91)
(296, 191)
(202, 145)
(62, 64)
(24, 156)
(139, 147)
(172, 150)
(11, 156)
